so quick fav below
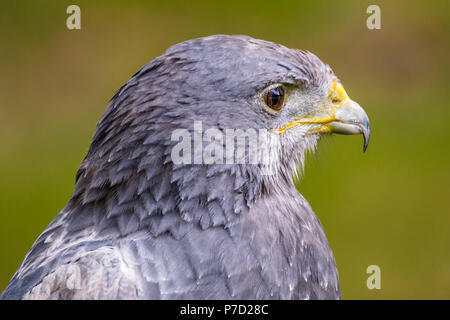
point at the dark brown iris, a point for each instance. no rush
(275, 98)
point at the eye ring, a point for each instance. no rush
(274, 98)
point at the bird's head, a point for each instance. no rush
(210, 88)
(237, 82)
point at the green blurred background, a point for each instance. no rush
(389, 207)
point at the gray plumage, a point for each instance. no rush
(139, 226)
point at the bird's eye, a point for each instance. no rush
(275, 98)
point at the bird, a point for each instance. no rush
(163, 208)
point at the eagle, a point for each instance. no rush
(166, 205)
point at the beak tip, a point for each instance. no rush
(366, 135)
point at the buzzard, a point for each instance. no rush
(157, 215)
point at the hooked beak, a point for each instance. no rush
(350, 118)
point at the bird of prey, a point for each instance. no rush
(140, 225)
